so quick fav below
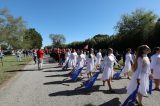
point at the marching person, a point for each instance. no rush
(90, 63)
(67, 57)
(155, 67)
(40, 55)
(73, 59)
(81, 60)
(99, 58)
(128, 63)
(108, 64)
(142, 73)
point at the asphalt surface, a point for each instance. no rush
(52, 87)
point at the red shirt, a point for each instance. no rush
(40, 54)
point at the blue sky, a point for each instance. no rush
(76, 19)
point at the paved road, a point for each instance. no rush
(47, 88)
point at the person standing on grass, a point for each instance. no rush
(18, 55)
(108, 64)
(155, 67)
(142, 74)
(1, 56)
(40, 55)
(128, 63)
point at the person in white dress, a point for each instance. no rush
(81, 60)
(98, 58)
(128, 63)
(67, 56)
(108, 64)
(73, 59)
(155, 67)
(141, 75)
(90, 61)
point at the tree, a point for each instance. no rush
(57, 39)
(135, 28)
(11, 29)
(32, 39)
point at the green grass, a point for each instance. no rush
(10, 65)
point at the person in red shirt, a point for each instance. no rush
(40, 55)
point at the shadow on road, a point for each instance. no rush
(60, 70)
(90, 104)
(113, 102)
(58, 75)
(63, 81)
(22, 70)
(84, 91)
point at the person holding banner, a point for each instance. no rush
(67, 56)
(81, 60)
(155, 67)
(128, 63)
(90, 64)
(99, 58)
(108, 64)
(73, 59)
(142, 73)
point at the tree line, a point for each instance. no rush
(134, 29)
(15, 35)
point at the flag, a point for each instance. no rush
(86, 47)
(150, 87)
(90, 82)
(131, 100)
(75, 74)
(117, 75)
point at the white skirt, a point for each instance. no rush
(156, 72)
(126, 68)
(107, 73)
(90, 67)
(72, 63)
(98, 61)
(144, 84)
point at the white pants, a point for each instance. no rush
(40, 63)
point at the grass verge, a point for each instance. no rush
(9, 65)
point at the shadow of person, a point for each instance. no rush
(21, 70)
(58, 75)
(63, 81)
(82, 91)
(113, 102)
(116, 91)
(90, 104)
(58, 70)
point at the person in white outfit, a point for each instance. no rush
(128, 63)
(18, 56)
(98, 58)
(81, 60)
(73, 59)
(141, 75)
(155, 67)
(90, 64)
(67, 56)
(108, 64)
